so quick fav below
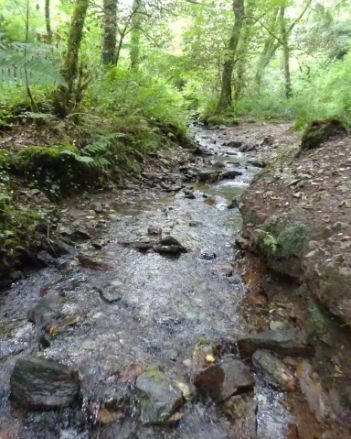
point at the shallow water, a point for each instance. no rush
(167, 305)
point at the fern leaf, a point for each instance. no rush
(15, 67)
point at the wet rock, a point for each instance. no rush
(61, 248)
(97, 244)
(208, 256)
(113, 217)
(227, 175)
(80, 235)
(234, 204)
(224, 268)
(234, 143)
(189, 194)
(312, 389)
(45, 259)
(47, 312)
(160, 399)
(194, 223)
(243, 411)
(285, 342)
(247, 147)
(225, 379)
(273, 371)
(208, 176)
(154, 231)
(169, 245)
(242, 242)
(38, 384)
(256, 163)
(89, 263)
(97, 207)
(110, 295)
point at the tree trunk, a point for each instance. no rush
(226, 92)
(135, 36)
(70, 66)
(267, 54)
(110, 32)
(48, 21)
(270, 47)
(243, 53)
(286, 53)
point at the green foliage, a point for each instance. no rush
(17, 66)
(275, 241)
(55, 169)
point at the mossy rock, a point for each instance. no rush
(320, 131)
(281, 246)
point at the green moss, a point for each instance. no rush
(319, 131)
(317, 319)
(291, 240)
(281, 246)
(249, 217)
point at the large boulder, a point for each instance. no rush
(225, 379)
(160, 399)
(320, 131)
(38, 384)
(285, 342)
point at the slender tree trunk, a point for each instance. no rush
(225, 99)
(33, 104)
(120, 44)
(110, 32)
(48, 21)
(270, 47)
(135, 37)
(286, 53)
(267, 54)
(239, 84)
(70, 66)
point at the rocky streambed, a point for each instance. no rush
(143, 330)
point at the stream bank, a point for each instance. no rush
(148, 326)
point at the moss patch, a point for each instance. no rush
(281, 246)
(320, 131)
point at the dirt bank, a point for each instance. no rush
(297, 230)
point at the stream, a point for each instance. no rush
(167, 306)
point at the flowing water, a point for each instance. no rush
(167, 305)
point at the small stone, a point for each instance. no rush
(339, 226)
(154, 231)
(110, 295)
(97, 207)
(208, 175)
(223, 380)
(234, 204)
(285, 342)
(274, 371)
(227, 175)
(45, 259)
(208, 256)
(160, 399)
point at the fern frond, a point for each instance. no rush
(17, 68)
